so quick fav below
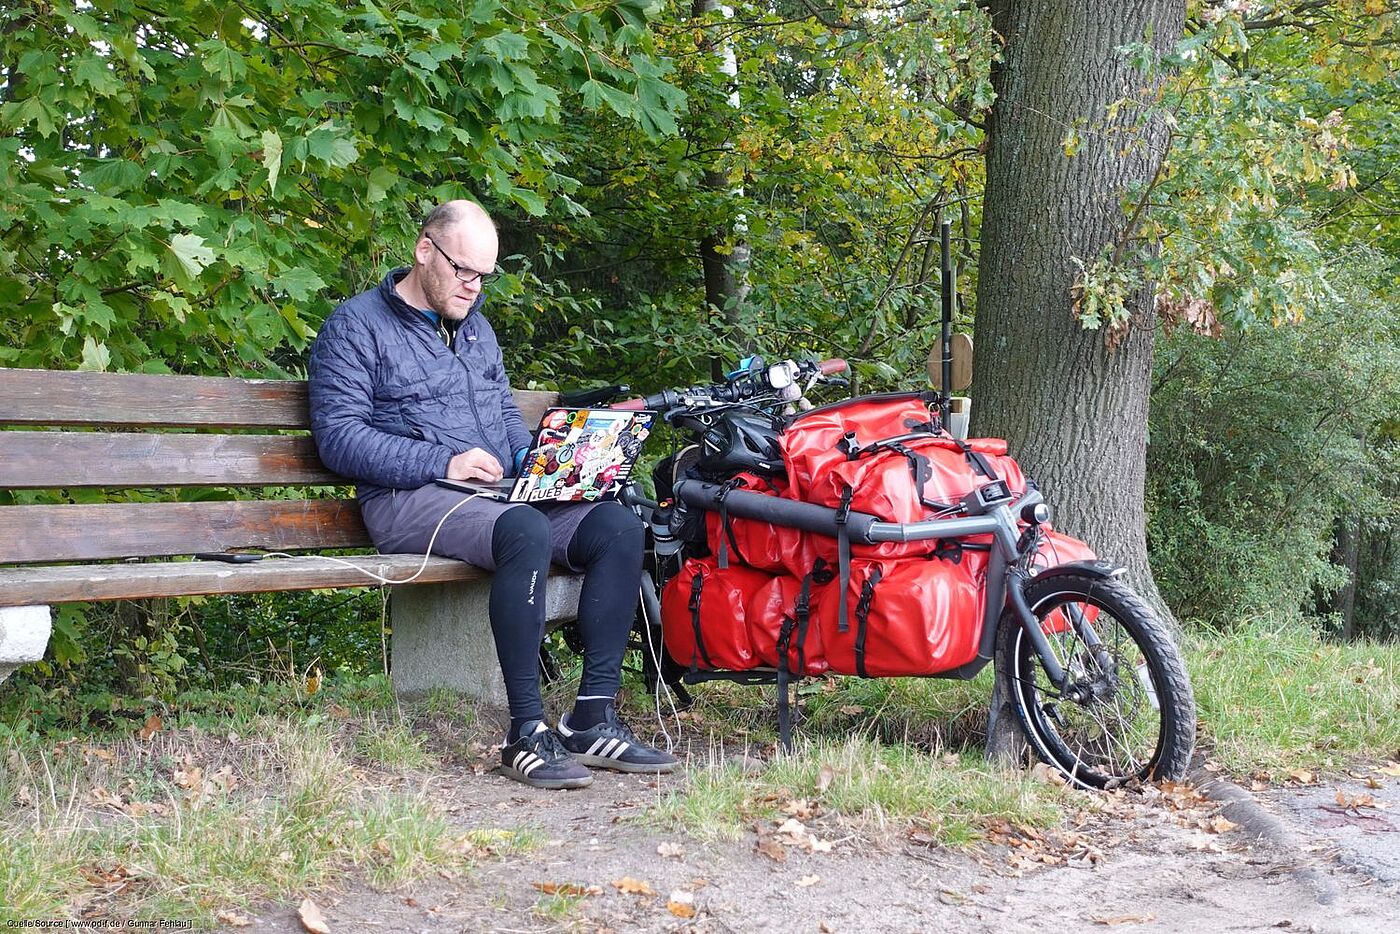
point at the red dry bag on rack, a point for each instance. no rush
(780, 617)
(751, 542)
(906, 616)
(704, 615)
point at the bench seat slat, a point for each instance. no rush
(61, 459)
(139, 400)
(30, 586)
(48, 397)
(131, 530)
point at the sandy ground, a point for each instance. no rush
(1159, 862)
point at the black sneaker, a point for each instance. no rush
(612, 745)
(539, 759)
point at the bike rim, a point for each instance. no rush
(1116, 735)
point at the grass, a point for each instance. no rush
(1273, 697)
(234, 806)
(866, 787)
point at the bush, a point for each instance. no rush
(1259, 442)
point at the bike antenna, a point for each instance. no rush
(949, 282)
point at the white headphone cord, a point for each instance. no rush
(427, 554)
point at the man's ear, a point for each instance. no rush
(422, 252)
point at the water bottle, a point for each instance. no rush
(664, 541)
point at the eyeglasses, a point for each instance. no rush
(464, 273)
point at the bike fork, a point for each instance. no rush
(1015, 591)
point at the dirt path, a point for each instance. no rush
(1162, 864)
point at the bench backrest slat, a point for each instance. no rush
(59, 459)
(50, 397)
(131, 530)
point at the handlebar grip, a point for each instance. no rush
(631, 405)
(833, 365)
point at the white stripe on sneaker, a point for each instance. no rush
(622, 747)
(531, 764)
(598, 743)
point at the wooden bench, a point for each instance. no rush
(132, 431)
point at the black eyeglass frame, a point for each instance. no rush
(458, 269)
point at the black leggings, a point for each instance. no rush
(608, 547)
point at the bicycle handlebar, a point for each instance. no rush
(736, 390)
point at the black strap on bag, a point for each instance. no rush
(726, 541)
(867, 596)
(843, 554)
(695, 587)
(976, 461)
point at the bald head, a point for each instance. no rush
(451, 214)
(457, 239)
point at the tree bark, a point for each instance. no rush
(1346, 553)
(1074, 412)
(726, 271)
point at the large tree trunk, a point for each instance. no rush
(1074, 412)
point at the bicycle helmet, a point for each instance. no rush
(740, 441)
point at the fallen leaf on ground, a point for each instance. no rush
(311, 917)
(152, 727)
(681, 904)
(825, 776)
(1373, 782)
(800, 808)
(633, 886)
(101, 797)
(807, 881)
(570, 889)
(1354, 801)
(1302, 776)
(233, 919)
(1125, 919)
(851, 710)
(337, 712)
(670, 850)
(771, 848)
(1219, 824)
(1390, 768)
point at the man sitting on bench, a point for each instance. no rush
(408, 385)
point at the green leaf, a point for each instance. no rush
(506, 46)
(95, 355)
(192, 254)
(299, 282)
(272, 158)
(381, 180)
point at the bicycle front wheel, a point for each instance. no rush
(1127, 712)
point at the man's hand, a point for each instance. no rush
(475, 464)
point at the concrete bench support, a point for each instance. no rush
(24, 635)
(442, 636)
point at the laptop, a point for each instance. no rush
(579, 455)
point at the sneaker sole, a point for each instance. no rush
(603, 762)
(582, 781)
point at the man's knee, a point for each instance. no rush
(609, 528)
(520, 532)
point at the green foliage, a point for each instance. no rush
(192, 189)
(1259, 441)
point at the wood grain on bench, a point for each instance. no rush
(119, 455)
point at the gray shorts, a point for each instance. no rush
(402, 522)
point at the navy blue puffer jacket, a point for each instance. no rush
(391, 403)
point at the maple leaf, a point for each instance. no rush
(631, 886)
(311, 918)
(681, 903)
(152, 726)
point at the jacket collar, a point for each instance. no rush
(407, 312)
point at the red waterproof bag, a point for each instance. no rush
(703, 615)
(813, 438)
(909, 616)
(761, 545)
(780, 613)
